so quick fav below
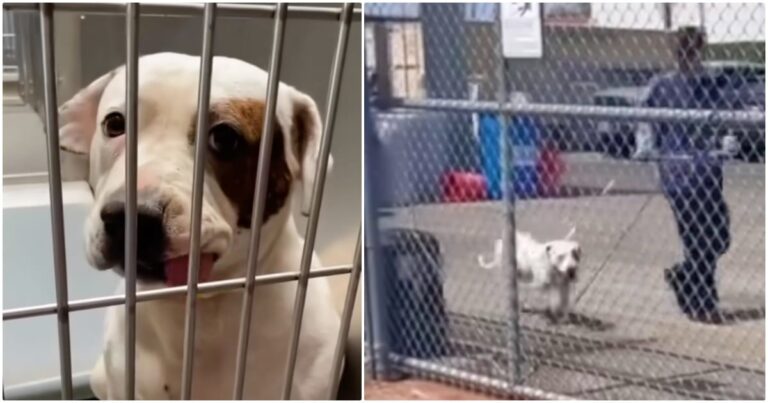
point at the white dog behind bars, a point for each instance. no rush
(551, 266)
(93, 123)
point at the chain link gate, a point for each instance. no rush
(588, 136)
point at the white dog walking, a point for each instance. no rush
(551, 266)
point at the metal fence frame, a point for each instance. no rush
(384, 364)
(64, 306)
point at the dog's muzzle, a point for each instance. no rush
(571, 274)
(150, 234)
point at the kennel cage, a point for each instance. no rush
(41, 95)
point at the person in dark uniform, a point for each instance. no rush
(691, 175)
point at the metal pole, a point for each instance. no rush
(57, 209)
(204, 90)
(346, 318)
(666, 10)
(741, 118)
(131, 152)
(508, 236)
(368, 336)
(259, 198)
(317, 194)
(435, 369)
(376, 278)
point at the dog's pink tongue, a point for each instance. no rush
(176, 269)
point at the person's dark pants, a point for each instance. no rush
(703, 226)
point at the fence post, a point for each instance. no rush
(509, 262)
(375, 277)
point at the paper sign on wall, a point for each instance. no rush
(521, 30)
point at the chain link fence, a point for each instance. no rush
(639, 125)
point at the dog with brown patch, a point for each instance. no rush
(93, 123)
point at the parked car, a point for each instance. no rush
(617, 138)
(739, 85)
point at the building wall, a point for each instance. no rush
(574, 63)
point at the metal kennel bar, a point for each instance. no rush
(151, 295)
(177, 9)
(317, 193)
(63, 306)
(204, 92)
(131, 219)
(346, 317)
(259, 199)
(57, 204)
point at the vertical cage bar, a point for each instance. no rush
(317, 194)
(346, 318)
(204, 90)
(131, 152)
(259, 199)
(509, 261)
(56, 200)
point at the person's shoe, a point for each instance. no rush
(673, 281)
(711, 317)
(695, 308)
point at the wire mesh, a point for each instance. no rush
(666, 199)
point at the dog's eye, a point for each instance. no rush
(225, 142)
(114, 125)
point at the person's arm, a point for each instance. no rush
(653, 98)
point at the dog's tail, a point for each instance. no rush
(496, 261)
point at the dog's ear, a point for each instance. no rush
(77, 116)
(304, 139)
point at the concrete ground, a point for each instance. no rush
(412, 389)
(626, 337)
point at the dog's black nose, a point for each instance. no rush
(150, 236)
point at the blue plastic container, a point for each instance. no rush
(525, 153)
